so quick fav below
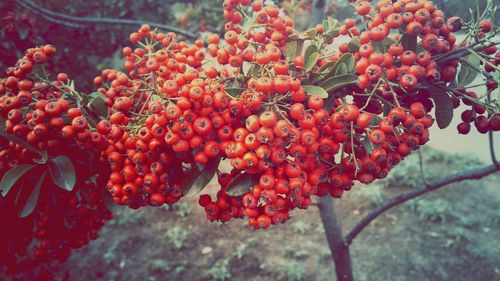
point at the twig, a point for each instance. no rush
(74, 21)
(473, 174)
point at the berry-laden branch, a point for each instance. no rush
(473, 174)
(79, 22)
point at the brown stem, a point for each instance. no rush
(473, 174)
(78, 22)
(333, 231)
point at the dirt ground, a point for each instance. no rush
(449, 234)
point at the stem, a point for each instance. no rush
(76, 22)
(472, 174)
(333, 231)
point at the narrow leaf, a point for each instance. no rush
(240, 185)
(311, 61)
(195, 181)
(98, 106)
(468, 74)
(32, 201)
(340, 81)
(62, 172)
(444, 107)
(12, 176)
(234, 92)
(315, 91)
(409, 42)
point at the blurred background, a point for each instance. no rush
(451, 234)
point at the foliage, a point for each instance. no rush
(219, 271)
(178, 235)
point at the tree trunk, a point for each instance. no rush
(333, 231)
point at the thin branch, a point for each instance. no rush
(73, 21)
(421, 164)
(492, 149)
(473, 174)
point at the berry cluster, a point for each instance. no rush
(44, 116)
(246, 98)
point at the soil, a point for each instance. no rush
(449, 234)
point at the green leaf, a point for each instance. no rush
(98, 106)
(342, 69)
(326, 67)
(353, 45)
(23, 31)
(12, 176)
(444, 107)
(315, 91)
(234, 92)
(197, 179)
(340, 81)
(311, 61)
(409, 42)
(32, 201)
(347, 60)
(312, 33)
(332, 23)
(62, 172)
(293, 48)
(311, 49)
(468, 74)
(241, 184)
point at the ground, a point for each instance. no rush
(449, 234)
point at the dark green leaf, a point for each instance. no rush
(336, 82)
(291, 48)
(326, 67)
(197, 179)
(12, 176)
(444, 107)
(353, 45)
(62, 172)
(345, 59)
(315, 91)
(311, 61)
(30, 204)
(98, 106)
(240, 185)
(23, 31)
(409, 42)
(468, 74)
(342, 69)
(234, 92)
(311, 49)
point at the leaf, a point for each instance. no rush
(345, 59)
(311, 33)
(234, 92)
(310, 50)
(444, 107)
(315, 91)
(340, 81)
(196, 180)
(98, 106)
(325, 67)
(12, 176)
(290, 48)
(353, 45)
(62, 172)
(240, 185)
(342, 69)
(409, 42)
(32, 201)
(468, 74)
(311, 61)
(332, 23)
(23, 31)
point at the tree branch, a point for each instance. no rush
(78, 22)
(473, 174)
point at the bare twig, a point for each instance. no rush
(79, 22)
(473, 174)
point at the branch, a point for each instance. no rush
(77, 22)
(473, 174)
